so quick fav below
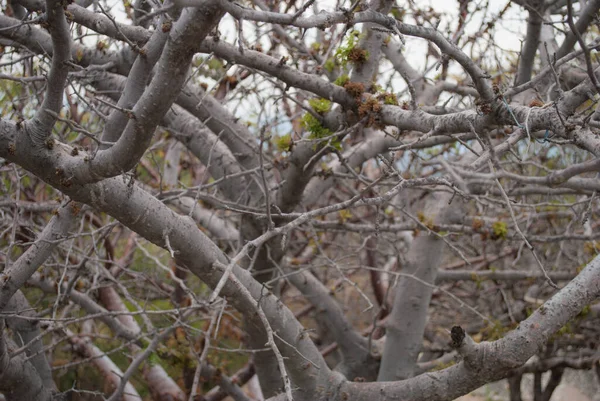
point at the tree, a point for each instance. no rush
(351, 200)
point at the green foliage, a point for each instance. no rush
(329, 65)
(346, 52)
(427, 221)
(79, 55)
(320, 105)
(376, 88)
(283, 142)
(215, 64)
(9, 90)
(344, 215)
(477, 280)
(390, 98)
(313, 125)
(499, 230)
(154, 359)
(342, 80)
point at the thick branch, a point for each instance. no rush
(149, 217)
(44, 119)
(171, 74)
(18, 378)
(16, 275)
(357, 359)
(495, 360)
(27, 333)
(586, 17)
(406, 323)
(526, 61)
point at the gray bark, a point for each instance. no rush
(406, 323)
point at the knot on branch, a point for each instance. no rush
(391, 23)
(457, 334)
(465, 346)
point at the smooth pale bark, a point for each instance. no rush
(171, 165)
(296, 177)
(213, 152)
(198, 139)
(27, 376)
(109, 370)
(150, 218)
(586, 17)
(220, 228)
(366, 71)
(17, 274)
(134, 87)
(530, 46)
(489, 361)
(19, 380)
(88, 305)
(26, 332)
(406, 323)
(41, 124)
(365, 150)
(357, 359)
(144, 214)
(162, 386)
(393, 52)
(403, 119)
(40, 42)
(171, 74)
(222, 123)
